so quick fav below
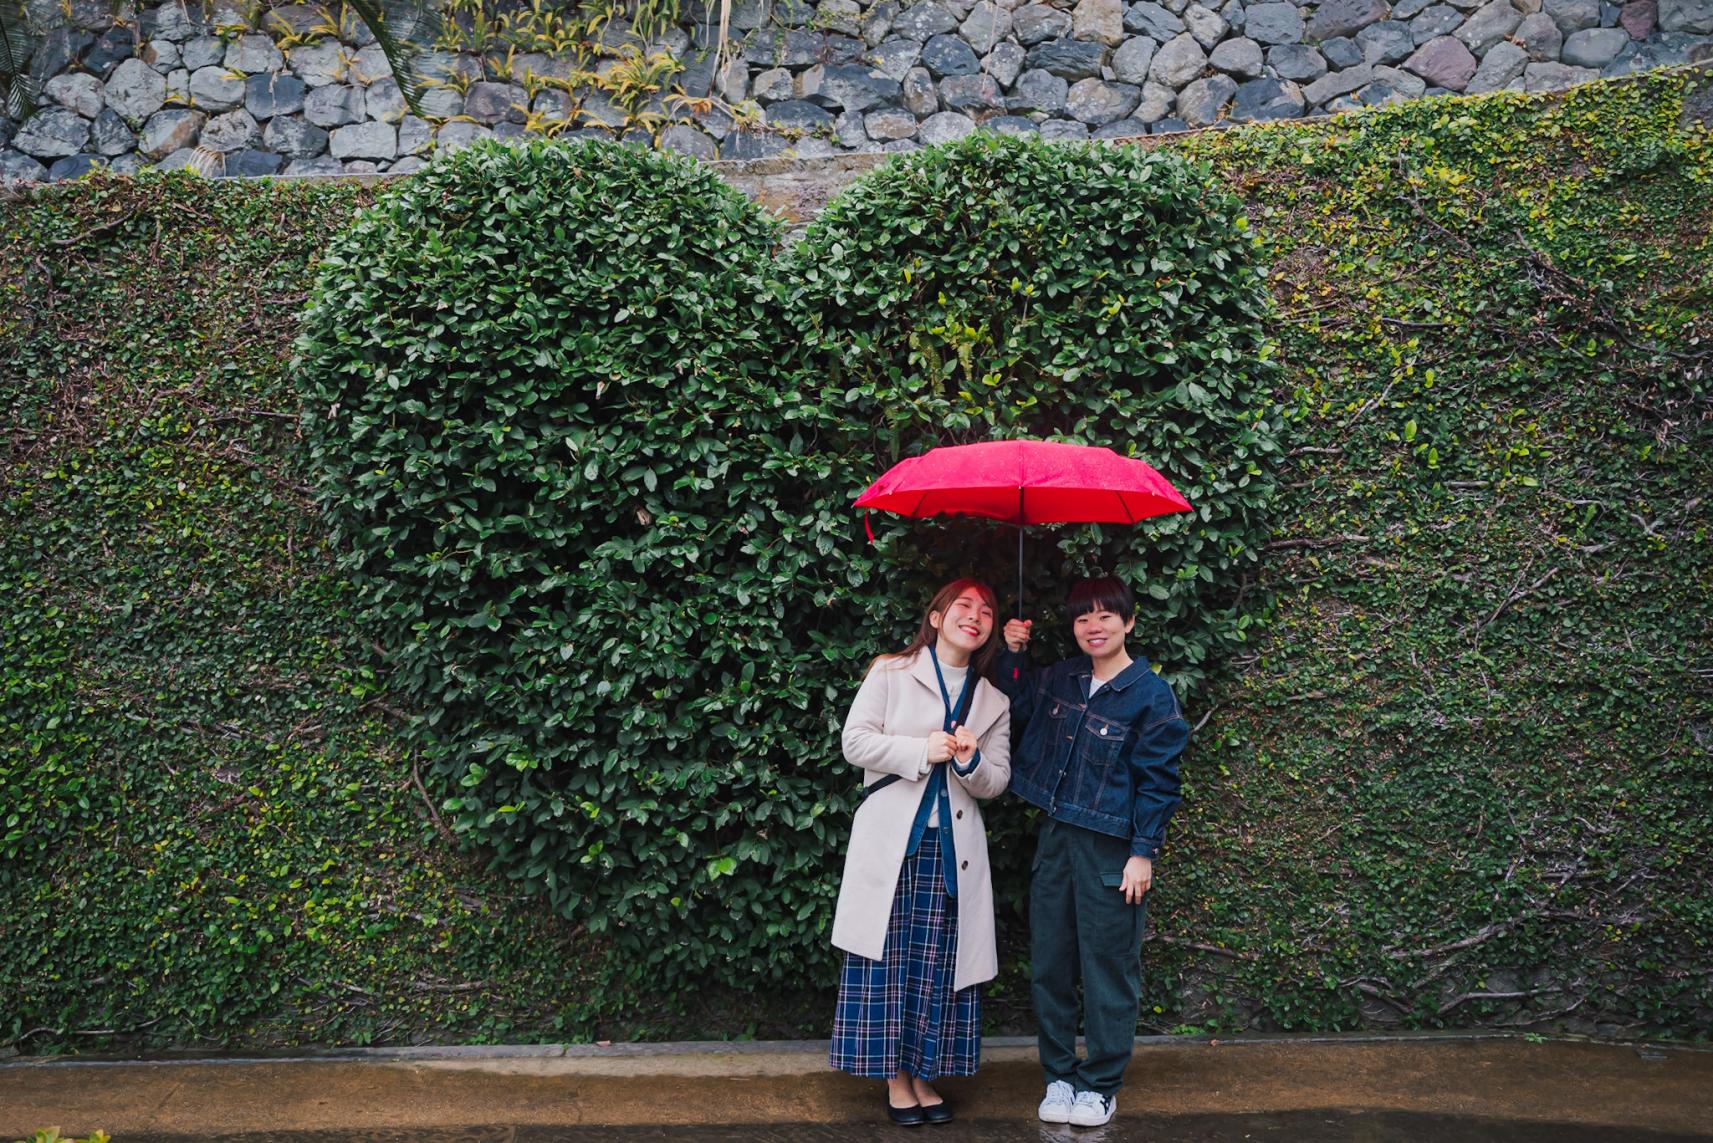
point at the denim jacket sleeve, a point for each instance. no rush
(1154, 768)
(1021, 685)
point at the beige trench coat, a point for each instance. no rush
(896, 709)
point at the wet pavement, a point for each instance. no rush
(1320, 1127)
(1439, 1090)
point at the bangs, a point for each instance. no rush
(1107, 594)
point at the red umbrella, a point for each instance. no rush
(1025, 482)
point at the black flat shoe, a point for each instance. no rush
(937, 1112)
(905, 1116)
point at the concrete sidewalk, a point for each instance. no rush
(1628, 1090)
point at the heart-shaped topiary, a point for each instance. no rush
(593, 452)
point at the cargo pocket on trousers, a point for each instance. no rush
(1112, 880)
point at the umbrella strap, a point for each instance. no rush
(868, 527)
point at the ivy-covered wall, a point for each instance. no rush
(1459, 781)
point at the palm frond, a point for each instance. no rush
(406, 31)
(20, 86)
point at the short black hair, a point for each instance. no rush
(1107, 593)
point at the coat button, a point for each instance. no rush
(959, 815)
(965, 865)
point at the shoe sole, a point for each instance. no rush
(1055, 1117)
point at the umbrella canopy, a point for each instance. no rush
(1025, 482)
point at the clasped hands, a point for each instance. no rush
(959, 744)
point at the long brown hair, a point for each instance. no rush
(926, 635)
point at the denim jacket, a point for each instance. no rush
(1107, 763)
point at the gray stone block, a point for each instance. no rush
(1262, 99)
(1444, 62)
(1500, 68)
(1154, 21)
(162, 55)
(334, 105)
(493, 103)
(1273, 23)
(1491, 23)
(949, 55)
(1208, 27)
(686, 140)
(1385, 42)
(1240, 58)
(316, 165)
(1297, 62)
(1131, 61)
(1064, 131)
(266, 96)
(921, 21)
(1341, 52)
(1100, 21)
(945, 127)
(877, 23)
(1005, 62)
(773, 85)
(1555, 76)
(251, 164)
(842, 16)
(1039, 90)
(203, 51)
(1011, 125)
(849, 87)
(169, 131)
(1157, 102)
(1035, 23)
(73, 167)
(110, 136)
(232, 131)
(1539, 36)
(415, 134)
(1691, 16)
(216, 89)
(1336, 83)
(1071, 59)
(294, 138)
(75, 91)
(976, 95)
(17, 167)
(1439, 20)
(135, 90)
(798, 115)
(892, 123)
(174, 21)
(382, 100)
(253, 55)
(318, 64)
(364, 141)
(985, 27)
(1097, 102)
(1122, 129)
(1178, 61)
(52, 133)
(893, 59)
(1593, 47)
(1334, 18)
(1201, 103)
(1573, 15)
(920, 95)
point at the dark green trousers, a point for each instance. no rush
(1082, 933)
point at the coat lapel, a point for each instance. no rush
(985, 706)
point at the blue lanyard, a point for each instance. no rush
(937, 792)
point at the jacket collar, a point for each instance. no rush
(1138, 667)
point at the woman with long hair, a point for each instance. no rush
(915, 912)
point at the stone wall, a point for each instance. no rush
(292, 90)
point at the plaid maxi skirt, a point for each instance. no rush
(900, 1011)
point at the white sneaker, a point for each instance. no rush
(1091, 1109)
(1056, 1108)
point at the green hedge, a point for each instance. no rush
(601, 518)
(1458, 782)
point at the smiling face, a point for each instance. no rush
(965, 626)
(1100, 633)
